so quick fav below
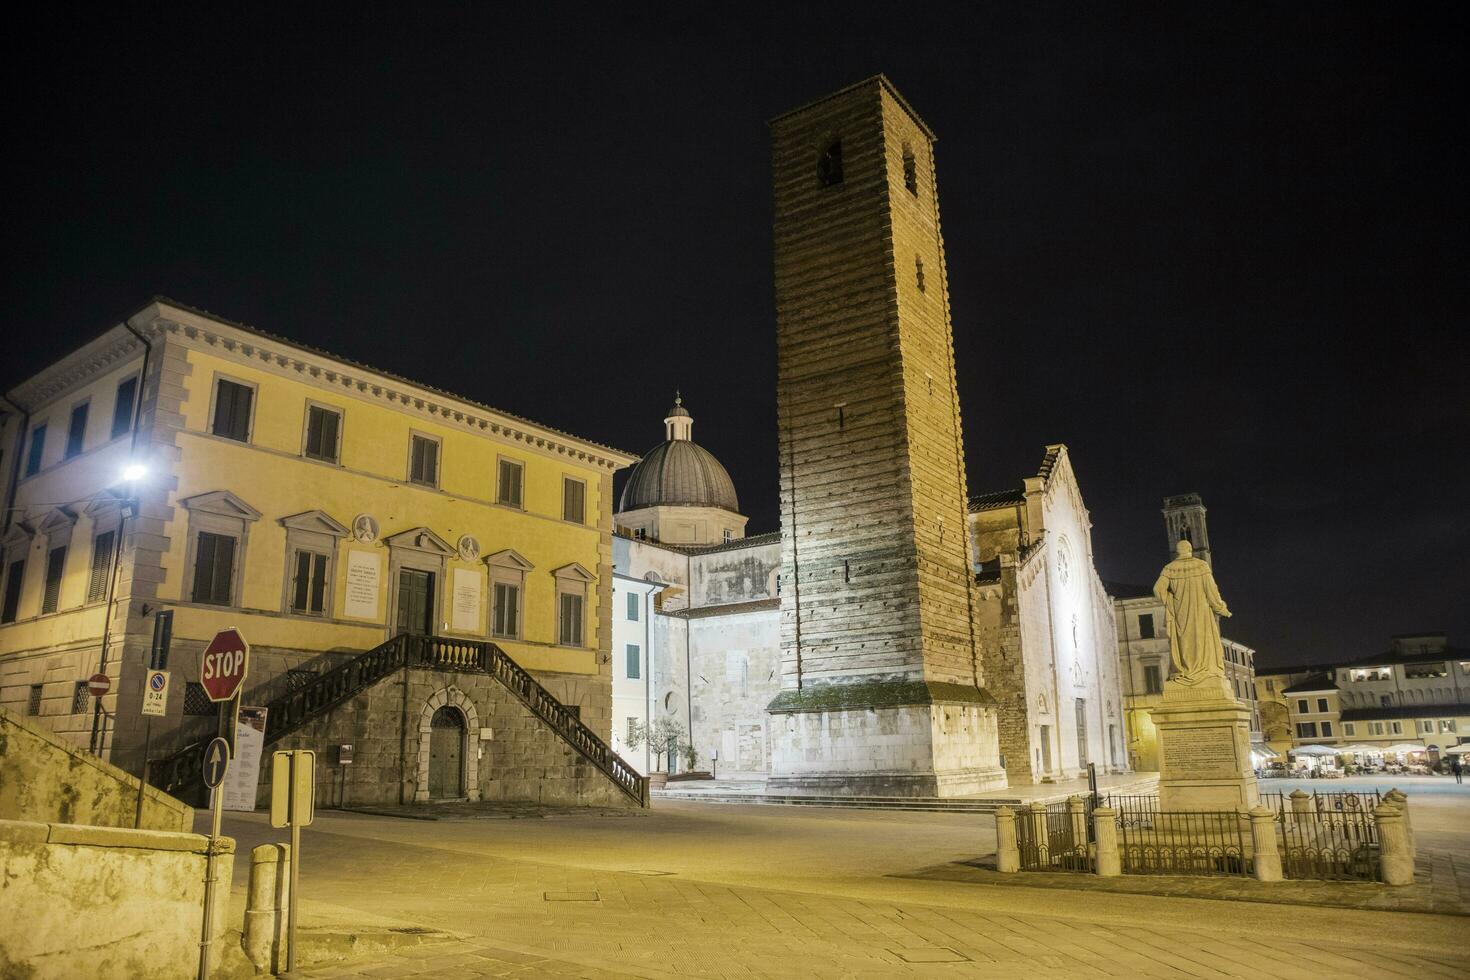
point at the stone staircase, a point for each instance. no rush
(179, 774)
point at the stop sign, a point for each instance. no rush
(98, 685)
(223, 666)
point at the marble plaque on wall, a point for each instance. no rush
(466, 614)
(364, 577)
(1199, 753)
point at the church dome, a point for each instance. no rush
(678, 472)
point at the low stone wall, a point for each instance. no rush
(45, 778)
(100, 902)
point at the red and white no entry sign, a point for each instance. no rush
(223, 667)
(98, 685)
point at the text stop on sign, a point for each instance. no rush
(224, 664)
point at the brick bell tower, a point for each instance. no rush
(882, 687)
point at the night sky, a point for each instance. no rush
(1216, 249)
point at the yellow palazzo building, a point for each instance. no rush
(183, 463)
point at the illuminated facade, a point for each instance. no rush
(315, 504)
(1046, 627)
(1415, 692)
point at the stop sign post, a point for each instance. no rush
(222, 669)
(224, 664)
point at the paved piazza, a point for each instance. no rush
(710, 890)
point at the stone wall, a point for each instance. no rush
(508, 752)
(44, 777)
(69, 881)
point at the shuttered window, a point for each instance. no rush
(309, 587)
(573, 500)
(635, 661)
(55, 564)
(322, 428)
(122, 408)
(569, 627)
(508, 484)
(423, 462)
(214, 566)
(507, 610)
(232, 404)
(76, 432)
(102, 555)
(37, 449)
(14, 577)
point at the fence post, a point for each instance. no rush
(1038, 834)
(1301, 802)
(264, 937)
(1400, 800)
(1007, 853)
(1395, 861)
(1263, 844)
(1105, 830)
(1077, 822)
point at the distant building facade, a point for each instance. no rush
(1143, 640)
(322, 508)
(1417, 691)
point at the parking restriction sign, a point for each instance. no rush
(155, 693)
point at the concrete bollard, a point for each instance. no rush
(264, 938)
(1105, 829)
(1007, 852)
(1398, 798)
(1301, 802)
(1395, 862)
(1077, 822)
(1263, 844)
(1037, 816)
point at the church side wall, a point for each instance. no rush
(736, 671)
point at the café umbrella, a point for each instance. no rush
(1314, 750)
(1403, 748)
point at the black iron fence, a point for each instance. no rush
(1184, 843)
(1330, 844)
(1054, 839)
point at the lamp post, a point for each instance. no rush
(132, 475)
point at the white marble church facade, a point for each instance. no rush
(705, 617)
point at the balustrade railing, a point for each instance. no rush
(292, 710)
(1184, 843)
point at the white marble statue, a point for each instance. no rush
(1187, 589)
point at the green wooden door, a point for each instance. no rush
(415, 601)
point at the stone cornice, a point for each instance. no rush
(168, 319)
(101, 354)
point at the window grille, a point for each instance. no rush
(196, 702)
(80, 695)
(33, 704)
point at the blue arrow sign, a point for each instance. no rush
(216, 761)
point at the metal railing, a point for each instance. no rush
(311, 700)
(1184, 843)
(1054, 839)
(1330, 845)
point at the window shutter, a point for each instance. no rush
(55, 562)
(122, 409)
(13, 580)
(102, 547)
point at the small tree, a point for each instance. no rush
(662, 737)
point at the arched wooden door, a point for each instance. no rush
(446, 754)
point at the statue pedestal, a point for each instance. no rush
(1204, 749)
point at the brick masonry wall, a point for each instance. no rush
(872, 478)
